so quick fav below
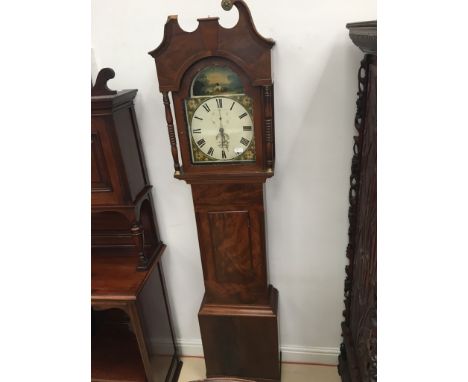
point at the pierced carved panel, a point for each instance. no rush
(358, 358)
(363, 319)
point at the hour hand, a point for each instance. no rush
(220, 119)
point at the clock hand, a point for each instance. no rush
(220, 119)
(221, 129)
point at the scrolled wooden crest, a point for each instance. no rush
(100, 87)
(211, 39)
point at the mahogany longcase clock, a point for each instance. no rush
(222, 92)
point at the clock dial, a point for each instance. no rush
(222, 129)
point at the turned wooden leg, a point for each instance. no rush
(138, 236)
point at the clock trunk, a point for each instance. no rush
(238, 316)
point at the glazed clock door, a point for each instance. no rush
(222, 129)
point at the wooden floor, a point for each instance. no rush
(194, 369)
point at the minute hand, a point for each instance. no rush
(221, 129)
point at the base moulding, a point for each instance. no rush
(289, 353)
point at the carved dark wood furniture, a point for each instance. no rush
(358, 358)
(222, 92)
(128, 295)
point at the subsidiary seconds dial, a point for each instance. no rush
(222, 128)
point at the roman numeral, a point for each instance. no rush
(197, 131)
(232, 106)
(219, 102)
(211, 151)
(201, 142)
(247, 128)
(242, 115)
(244, 141)
(223, 154)
(201, 119)
(207, 108)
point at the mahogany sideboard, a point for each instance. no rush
(132, 336)
(358, 356)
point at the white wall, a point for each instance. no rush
(315, 70)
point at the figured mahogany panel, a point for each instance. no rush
(231, 234)
(230, 238)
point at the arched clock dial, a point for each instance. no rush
(222, 129)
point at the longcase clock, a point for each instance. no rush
(221, 87)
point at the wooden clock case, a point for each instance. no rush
(239, 313)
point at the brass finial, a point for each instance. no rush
(226, 4)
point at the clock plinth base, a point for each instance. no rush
(241, 340)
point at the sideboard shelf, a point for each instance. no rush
(115, 355)
(120, 331)
(112, 273)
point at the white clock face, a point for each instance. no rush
(222, 128)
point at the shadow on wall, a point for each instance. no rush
(317, 162)
(309, 200)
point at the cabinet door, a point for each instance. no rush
(105, 184)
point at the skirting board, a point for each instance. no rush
(289, 353)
